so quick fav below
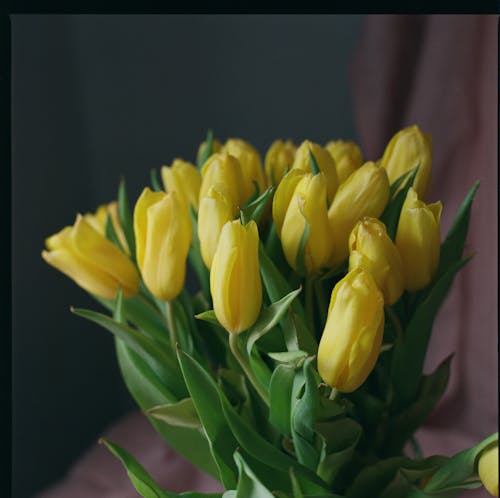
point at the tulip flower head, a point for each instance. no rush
(364, 193)
(352, 336)
(163, 235)
(371, 248)
(487, 469)
(347, 157)
(407, 149)
(325, 163)
(418, 240)
(85, 255)
(279, 159)
(183, 178)
(234, 278)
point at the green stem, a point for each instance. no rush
(310, 304)
(334, 394)
(395, 320)
(172, 328)
(235, 349)
(320, 295)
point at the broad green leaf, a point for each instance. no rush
(205, 395)
(182, 326)
(372, 480)
(304, 416)
(208, 316)
(453, 246)
(180, 414)
(148, 392)
(409, 352)
(397, 183)
(260, 368)
(125, 217)
(297, 335)
(404, 424)
(248, 484)
(155, 356)
(390, 216)
(314, 165)
(340, 439)
(195, 258)
(253, 210)
(297, 492)
(460, 471)
(280, 396)
(292, 357)
(207, 150)
(300, 259)
(269, 318)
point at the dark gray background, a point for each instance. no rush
(96, 97)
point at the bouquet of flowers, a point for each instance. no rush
(295, 368)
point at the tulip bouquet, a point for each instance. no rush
(295, 367)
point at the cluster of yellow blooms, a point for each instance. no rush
(328, 190)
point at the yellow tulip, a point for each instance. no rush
(283, 195)
(185, 179)
(364, 193)
(222, 168)
(405, 150)
(352, 336)
(307, 205)
(279, 158)
(325, 162)
(251, 165)
(347, 156)
(215, 211)
(372, 249)
(163, 235)
(418, 240)
(85, 255)
(216, 147)
(234, 278)
(488, 469)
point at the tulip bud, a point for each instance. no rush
(283, 195)
(85, 255)
(163, 235)
(325, 162)
(352, 337)
(418, 240)
(215, 211)
(487, 469)
(347, 157)
(407, 149)
(234, 278)
(307, 205)
(373, 250)
(183, 178)
(279, 158)
(216, 147)
(251, 165)
(364, 193)
(226, 170)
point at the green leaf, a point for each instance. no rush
(314, 165)
(209, 317)
(125, 217)
(280, 395)
(404, 424)
(297, 335)
(205, 395)
(300, 259)
(207, 150)
(373, 479)
(155, 356)
(111, 233)
(269, 318)
(297, 492)
(248, 484)
(303, 418)
(253, 210)
(142, 481)
(182, 326)
(180, 414)
(391, 213)
(275, 284)
(453, 246)
(340, 438)
(409, 352)
(397, 183)
(460, 471)
(291, 357)
(118, 311)
(195, 258)
(148, 392)
(154, 181)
